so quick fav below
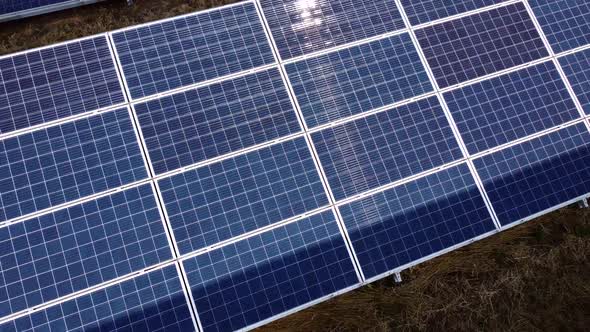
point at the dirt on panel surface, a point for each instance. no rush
(530, 278)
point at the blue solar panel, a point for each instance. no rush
(512, 106)
(248, 281)
(576, 67)
(358, 79)
(62, 163)
(57, 82)
(150, 302)
(200, 124)
(481, 44)
(539, 174)
(301, 27)
(566, 23)
(11, 6)
(417, 219)
(191, 49)
(238, 195)
(385, 147)
(72, 249)
(423, 11)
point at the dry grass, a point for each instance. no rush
(533, 277)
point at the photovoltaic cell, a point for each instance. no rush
(512, 106)
(536, 175)
(207, 122)
(424, 11)
(358, 79)
(57, 82)
(379, 149)
(11, 6)
(150, 302)
(248, 281)
(480, 44)
(576, 67)
(299, 27)
(72, 249)
(416, 219)
(65, 162)
(566, 23)
(219, 201)
(166, 55)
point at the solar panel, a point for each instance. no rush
(190, 49)
(576, 67)
(379, 149)
(57, 82)
(417, 219)
(536, 175)
(222, 169)
(511, 106)
(62, 163)
(69, 250)
(207, 122)
(251, 280)
(154, 301)
(424, 11)
(304, 26)
(226, 199)
(15, 9)
(357, 79)
(480, 44)
(566, 23)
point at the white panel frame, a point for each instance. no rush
(45, 9)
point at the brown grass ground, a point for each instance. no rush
(533, 277)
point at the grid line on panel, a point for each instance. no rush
(238, 195)
(251, 280)
(423, 11)
(301, 27)
(566, 23)
(535, 175)
(69, 250)
(505, 37)
(208, 122)
(386, 147)
(358, 79)
(576, 67)
(153, 301)
(57, 82)
(63, 163)
(405, 223)
(190, 49)
(512, 106)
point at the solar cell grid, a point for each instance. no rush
(576, 67)
(11, 6)
(424, 11)
(190, 49)
(480, 44)
(150, 302)
(82, 246)
(246, 282)
(56, 82)
(304, 26)
(536, 175)
(385, 147)
(65, 162)
(566, 23)
(357, 79)
(207, 122)
(219, 201)
(512, 106)
(411, 221)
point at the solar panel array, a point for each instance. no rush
(15, 9)
(218, 170)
